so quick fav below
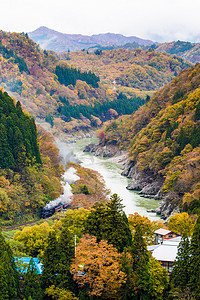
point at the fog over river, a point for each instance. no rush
(111, 173)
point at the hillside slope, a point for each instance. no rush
(28, 74)
(163, 139)
(29, 164)
(74, 91)
(132, 69)
(189, 51)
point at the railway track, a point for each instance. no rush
(19, 225)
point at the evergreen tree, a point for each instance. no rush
(19, 109)
(18, 136)
(51, 260)
(140, 266)
(121, 237)
(181, 272)
(127, 267)
(6, 157)
(197, 112)
(66, 250)
(68, 75)
(19, 150)
(195, 260)
(31, 284)
(109, 222)
(8, 275)
(34, 141)
(122, 105)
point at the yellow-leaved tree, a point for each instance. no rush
(182, 223)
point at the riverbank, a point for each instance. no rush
(146, 184)
(111, 168)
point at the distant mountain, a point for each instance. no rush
(188, 51)
(60, 42)
(51, 88)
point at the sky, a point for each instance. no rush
(157, 20)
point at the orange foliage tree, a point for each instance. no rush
(100, 268)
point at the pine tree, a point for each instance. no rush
(197, 112)
(121, 237)
(19, 150)
(51, 260)
(6, 157)
(195, 260)
(8, 275)
(181, 272)
(18, 136)
(31, 284)
(109, 222)
(67, 252)
(140, 257)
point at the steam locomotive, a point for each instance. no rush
(52, 208)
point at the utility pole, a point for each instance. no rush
(75, 244)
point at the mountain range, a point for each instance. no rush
(71, 89)
(60, 42)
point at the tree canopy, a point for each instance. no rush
(18, 136)
(109, 222)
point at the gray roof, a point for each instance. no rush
(153, 247)
(175, 239)
(166, 252)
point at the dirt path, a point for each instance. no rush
(19, 225)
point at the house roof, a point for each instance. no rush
(166, 252)
(153, 247)
(162, 231)
(176, 239)
(23, 263)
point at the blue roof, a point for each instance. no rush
(23, 262)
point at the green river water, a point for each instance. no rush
(117, 183)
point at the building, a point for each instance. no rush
(164, 234)
(23, 262)
(166, 248)
(166, 252)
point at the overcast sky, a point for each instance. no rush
(158, 20)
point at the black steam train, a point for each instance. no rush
(49, 210)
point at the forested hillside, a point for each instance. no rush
(29, 164)
(29, 74)
(18, 136)
(55, 88)
(189, 51)
(136, 69)
(163, 139)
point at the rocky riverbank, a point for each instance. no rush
(103, 151)
(146, 184)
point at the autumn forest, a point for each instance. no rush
(139, 101)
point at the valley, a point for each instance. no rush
(115, 182)
(97, 146)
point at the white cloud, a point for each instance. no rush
(154, 19)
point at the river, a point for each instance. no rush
(117, 183)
